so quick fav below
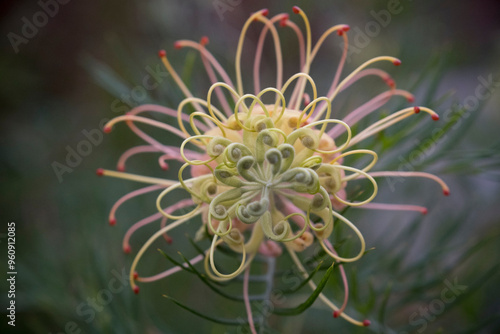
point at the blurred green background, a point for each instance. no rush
(65, 79)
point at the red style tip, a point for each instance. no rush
(177, 45)
(107, 129)
(99, 172)
(396, 62)
(391, 83)
(340, 32)
(162, 53)
(136, 289)
(416, 109)
(366, 323)
(164, 167)
(284, 20)
(346, 28)
(112, 222)
(169, 240)
(296, 9)
(446, 192)
(435, 117)
(127, 249)
(136, 275)
(204, 40)
(120, 168)
(411, 99)
(424, 211)
(336, 314)
(265, 12)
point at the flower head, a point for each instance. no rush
(267, 170)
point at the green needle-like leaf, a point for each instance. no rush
(223, 321)
(304, 282)
(305, 305)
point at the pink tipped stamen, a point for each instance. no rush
(162, 53)
(366, 322)
(416, 110)
(161, 160)
(257, 16)
(344, 282)
(396, 62)
(370, 72)
(210, 63)
(367, 108)
(140, 119)
(430, 176)
(107, 129)
(213, 79)
(340, 29)
(136, 289)
(204, 41)
(133, 151)
(302, 52)
(388, 121)
(446, 192)
(133, 194)
(176, 156)
(136, 275)
(284, 20)
(177, 45)
(394, 207)
(269, 25)
(296, 9)
(99, 172)
(175, 76)
(170, 271)
(307, 99)
(205, 53)
(166, 111)
(160, 109)
(153, 218)
(163, 223)
(300, 84)
(143, 222)
(435, 117)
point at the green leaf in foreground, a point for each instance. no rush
(305, 305)
(304, 282)
(223, 321)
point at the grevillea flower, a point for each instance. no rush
(265, 177)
